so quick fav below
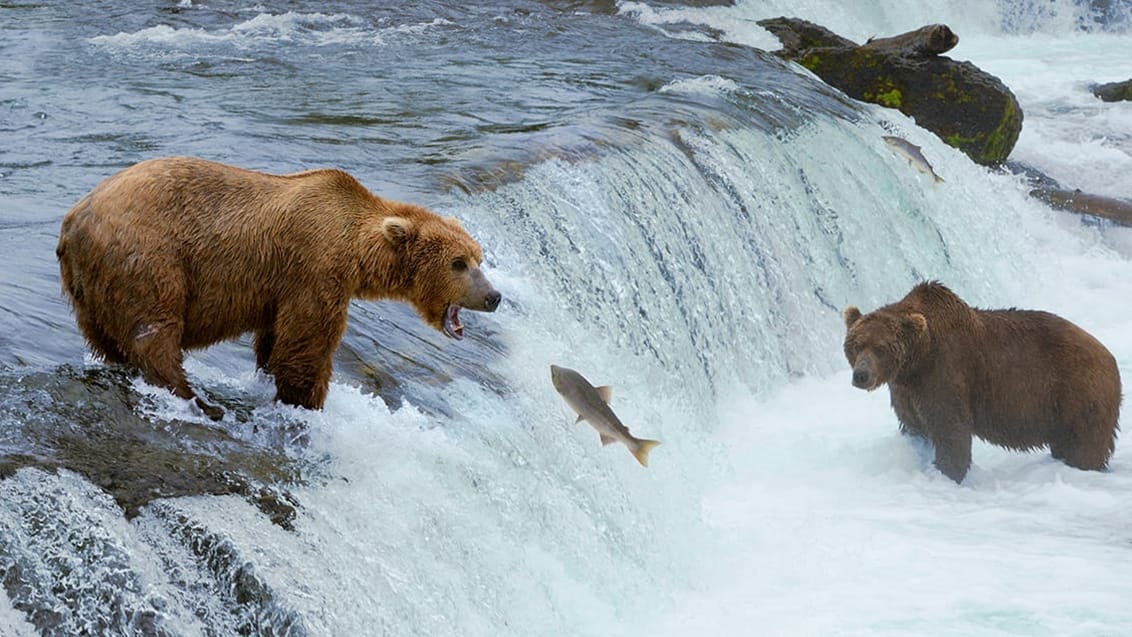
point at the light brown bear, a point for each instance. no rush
(178, 253)
(1019, 379)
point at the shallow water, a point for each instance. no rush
(666, 209)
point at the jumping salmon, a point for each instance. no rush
(592, 404)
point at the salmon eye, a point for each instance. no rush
(459, 265)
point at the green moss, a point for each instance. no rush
(993, 147)
(957, 141)
(811, 61)
(863, 58)
(951, 91)
(1001, 140)
(886, 93)
(890, 99)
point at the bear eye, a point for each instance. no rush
(459, 265)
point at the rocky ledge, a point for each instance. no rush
(965, 106)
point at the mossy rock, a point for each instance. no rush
(965, 106)
(798, 35)
(1114, 91)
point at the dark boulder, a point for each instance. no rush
(965, 106)
(798, 35)
(1114, 91)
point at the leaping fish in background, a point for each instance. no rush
(592, 404)
(911, 152)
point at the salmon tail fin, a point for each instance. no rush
(643, 449)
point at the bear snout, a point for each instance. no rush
(864, 376)
(492, 300)
(481, 295)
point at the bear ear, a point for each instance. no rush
(454, 221)
(917, 321)
(851, 315)
(396, 229)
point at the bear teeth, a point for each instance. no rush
(452, 325)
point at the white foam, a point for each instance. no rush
(1067, 132)
(13, 622)
(836, 524)
(705, 84)
(733, 25)
(306, 29)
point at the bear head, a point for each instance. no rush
(434, 264)
(881, 345)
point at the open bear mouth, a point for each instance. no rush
(453, 328)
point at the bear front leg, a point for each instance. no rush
(302, 357)
(942, 411)
(906, 414)
(264, 344)
(953, 451)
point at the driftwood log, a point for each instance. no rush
(1117, 210)
(925, 41)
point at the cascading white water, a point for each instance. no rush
(698, 286)
(860, 21)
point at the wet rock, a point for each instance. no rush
(1114, 91)
(88, 422)
(965, 106)
(798, 35)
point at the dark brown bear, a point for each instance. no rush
(1018, 379)
(179, 253)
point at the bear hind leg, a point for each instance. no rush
(1089, 453)
(101, 344)
(157, 353)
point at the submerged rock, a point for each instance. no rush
(87, 422)
(1114, 91)
(1116, 210)
(965, 106)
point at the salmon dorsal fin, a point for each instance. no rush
(606, 393)
(605, 440)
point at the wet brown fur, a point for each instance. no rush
(178, 253)
(1019, 379)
